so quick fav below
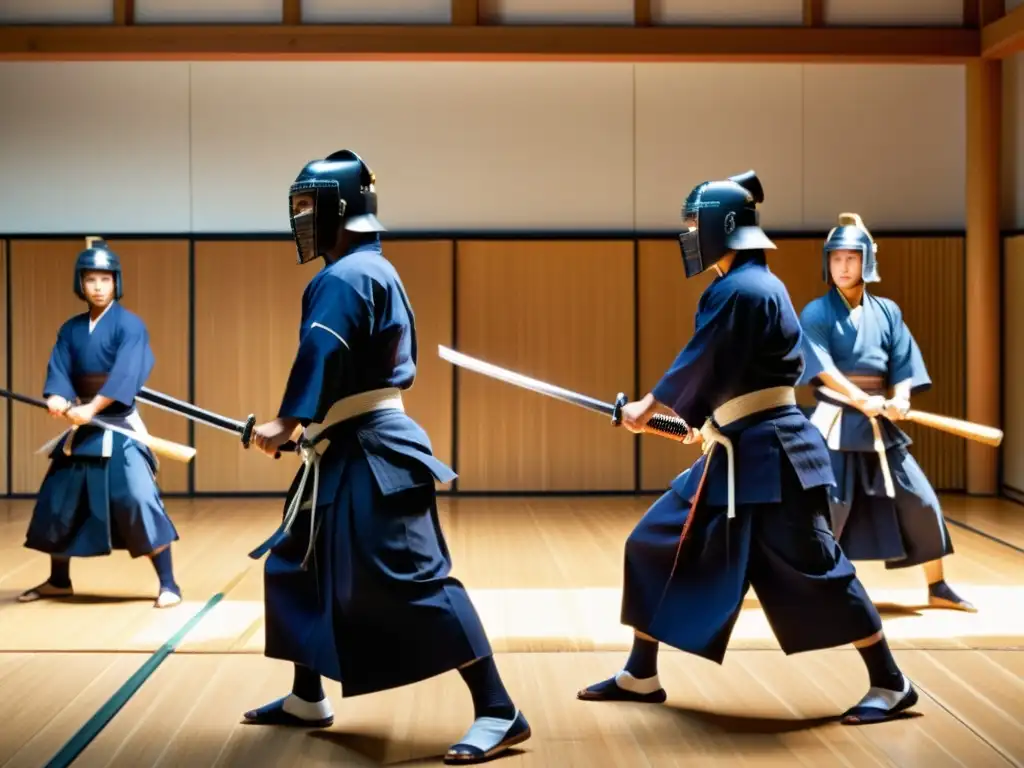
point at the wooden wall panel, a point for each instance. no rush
(156, 283)
(426, 269)
(1013, 364)
(42, 299)
(797, 263)
(248, 306)
(667, 306)
(4, 488)
(557, 311)
(925, 276)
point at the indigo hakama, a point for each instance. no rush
(369, 600)
(693, 556)
(100, 492)
(882, 505)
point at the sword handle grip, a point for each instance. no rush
(671, 427)
(667, 426)
(247, 430)
(289, 447)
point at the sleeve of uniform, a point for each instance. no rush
(58, 371)
(133, 362)
(715, 348)
(815, 329)
(332, 315)
(906, 362)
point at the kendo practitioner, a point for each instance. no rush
(858, 345)
(100, 492)
(752, 511)
(358, 584)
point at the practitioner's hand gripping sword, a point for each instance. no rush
(243, 429)
(966, 429)
(671, 427)
(159, 446)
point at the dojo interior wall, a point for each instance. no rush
(1013, 273)
(596, 315)
(1012, 197)
(210, 147)
(1013, 366)
(474, 163)
(4, 408)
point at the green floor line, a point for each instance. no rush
(92, 727)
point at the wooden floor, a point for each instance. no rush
(545, 575)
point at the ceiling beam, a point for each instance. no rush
(1004, 37)
(487, 43)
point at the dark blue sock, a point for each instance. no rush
(307, 685)
(60, 572)
(943, 590)
(643, 659)
(882, 669)
(490, 699)
(165, 571)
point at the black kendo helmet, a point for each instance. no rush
(344, 197)
(726, 219)
(98, 257)
(851, 235)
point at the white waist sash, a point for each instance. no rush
(312, 446)
(827, 417)
(734, 410)
(131, 420)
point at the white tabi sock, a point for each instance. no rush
(487, 732)
(883, 698)
(642, 686)
(307, 710)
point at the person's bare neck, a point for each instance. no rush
(853, 295)
(341, 247)
(723, 265)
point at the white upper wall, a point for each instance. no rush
(211, 147)
(858, 13)
(98, 145)
(729, 12)
(525, 146)
(56, 11)
(376, 11)
(208, 11)
(560, 11)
